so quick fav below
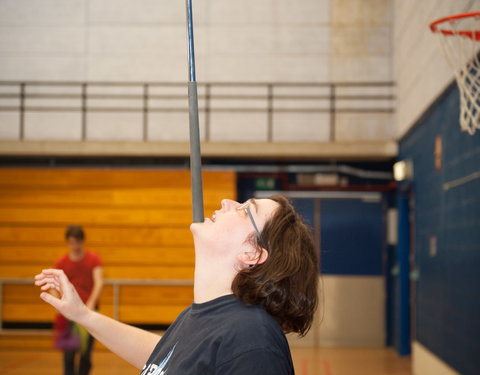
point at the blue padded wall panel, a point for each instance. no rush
(352, 237)
(448, 288)
(306, 208)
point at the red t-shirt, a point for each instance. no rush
(80, 273)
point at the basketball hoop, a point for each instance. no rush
(460, 39)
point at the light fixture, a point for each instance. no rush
(403, 170)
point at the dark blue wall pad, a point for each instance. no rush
(448, 288)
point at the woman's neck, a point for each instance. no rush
(212, 280)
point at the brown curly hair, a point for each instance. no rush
(285, 285)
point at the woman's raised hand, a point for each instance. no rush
(69, 304)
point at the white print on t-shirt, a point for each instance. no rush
(153, 369)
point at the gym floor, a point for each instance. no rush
(308, 361)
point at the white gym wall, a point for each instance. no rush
(247, 41)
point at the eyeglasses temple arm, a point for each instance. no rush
(247, 210)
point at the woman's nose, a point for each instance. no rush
(228, 204)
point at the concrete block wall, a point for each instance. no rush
(421, 71)
(361, 40)
(127, 40)
(247, 41)
(361, 51)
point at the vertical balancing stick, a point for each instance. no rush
(195, 156)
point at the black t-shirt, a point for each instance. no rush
(222, 337)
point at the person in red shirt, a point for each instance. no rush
(84, 269)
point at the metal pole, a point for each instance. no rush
(195, 156)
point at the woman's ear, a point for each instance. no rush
(254, 257)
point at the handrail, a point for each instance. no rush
(268, 98)
(116, 283)
(162, 282)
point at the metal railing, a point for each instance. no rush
(147, 98)
(115, 283)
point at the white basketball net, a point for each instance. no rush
(462, 49)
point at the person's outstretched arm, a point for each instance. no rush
(130, 343)
(97, 275)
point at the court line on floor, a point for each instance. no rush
(327, 368)
(304, 367)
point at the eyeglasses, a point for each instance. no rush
(246, 208)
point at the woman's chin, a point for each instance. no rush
(195, 228)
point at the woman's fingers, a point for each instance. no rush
(50, 286)
(40, 275)
(51, 279)
(66, 299)
(44, 273)
(49, 273)
(55, 302)
(56, 277)
(43, 277)
(52, 282)
(63, 282)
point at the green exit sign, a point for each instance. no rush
(265, 183)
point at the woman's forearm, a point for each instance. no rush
(132, 344)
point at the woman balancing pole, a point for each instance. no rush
(256, 275)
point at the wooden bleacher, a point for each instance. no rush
(136, 220)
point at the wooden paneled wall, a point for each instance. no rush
(136, 220)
